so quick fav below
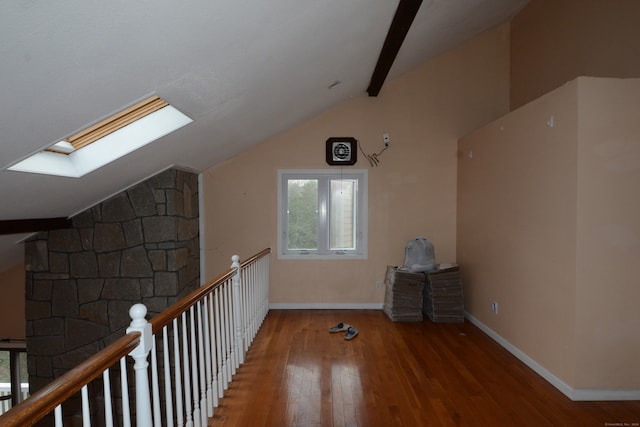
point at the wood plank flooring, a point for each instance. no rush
(394, 374)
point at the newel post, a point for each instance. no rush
(237, 307)
(139, 355)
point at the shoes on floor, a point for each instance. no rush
(351, 333)
(339, 327)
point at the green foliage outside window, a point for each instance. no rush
(5, 371)
(5, 367)
(322, 214)
(303, 214)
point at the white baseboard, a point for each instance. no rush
(325, 306)
(571, 393)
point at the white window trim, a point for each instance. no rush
(281, 215)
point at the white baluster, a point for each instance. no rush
(259, 295)
(155, 388)
(219, 343)
(178, 373)
(224, 319)
(168, 392)
(237, 312)
(264, 268)
(246, 311)
(187, 378)
(231, 363)
(265, 285)
(86, 413)
(124, 386)
(139, 354)
(214, 385)
(58, 416)
(108, 411)
(255, 299)
(194, 369)
(201, 369)
(207, 355)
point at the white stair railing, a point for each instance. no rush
(196, 346)
(205, 337)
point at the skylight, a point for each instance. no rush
(107, 140)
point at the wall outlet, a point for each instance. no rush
(378, 284)
(386, 139)
(494, 307)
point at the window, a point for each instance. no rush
(14, 379)
(322, 214)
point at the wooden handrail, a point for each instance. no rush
(256, 257)
(53, 394)
(56, 392)
(163, 319)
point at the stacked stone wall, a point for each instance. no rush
(141, 245)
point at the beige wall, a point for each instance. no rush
(516, 228)
(412, 193)
(608, 224)
(554, 41)
(547, 226)
(12, 317)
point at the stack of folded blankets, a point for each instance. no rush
(403, 295)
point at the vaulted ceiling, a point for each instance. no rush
(243, 70)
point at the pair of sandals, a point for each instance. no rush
(350, 333)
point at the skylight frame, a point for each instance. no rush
(106, 141)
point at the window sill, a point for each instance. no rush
(317, 257)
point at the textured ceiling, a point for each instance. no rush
(244, 70)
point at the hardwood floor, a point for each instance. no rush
(394, 374)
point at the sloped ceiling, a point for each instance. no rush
(243, 70)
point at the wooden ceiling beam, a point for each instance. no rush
(402, 20)
(21, 226)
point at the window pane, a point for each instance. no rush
(322, 214)
(24, 374)
(344, 197)
(5, 370)
(302, 221)
(19, 357)
(5, 381)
